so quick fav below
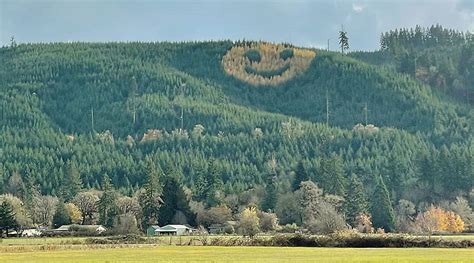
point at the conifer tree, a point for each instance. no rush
(332, 173)
(7, 218)
(209, 184)
(215, 184)
(72, 184)
(150, 198)
(355, 201)
(201, 184)
(381, 207)
(343, 40)
(174, 201)
(107, 202)
(30, 190)
(270, 198)
(61, 216)
(301, 175)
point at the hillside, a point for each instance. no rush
(91, 104)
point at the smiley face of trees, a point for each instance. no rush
(265, 63)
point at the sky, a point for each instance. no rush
(308, 23)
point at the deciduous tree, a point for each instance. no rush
(249, 223)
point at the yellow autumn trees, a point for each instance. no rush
(74, 213)
(436, 219)
(271, 67)
(249, 223)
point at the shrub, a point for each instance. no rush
(289, 228)
(346, 238)
(123, 239)
(229, 229)
(268, 221)
(125, 224)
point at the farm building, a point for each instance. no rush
(169, 230)
(31, 233)
(150, 231)
(72, 228)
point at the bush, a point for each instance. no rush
(123, 239)
(268, 221)
(345, 238)
(229, 229)
(125, 224)
(289, 228)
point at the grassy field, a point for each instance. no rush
(75, 249)
(163, 240)
(243, 254)
(40, 240)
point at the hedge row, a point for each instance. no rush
(337, 240)
(301, 240)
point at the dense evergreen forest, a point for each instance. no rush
(386, 133)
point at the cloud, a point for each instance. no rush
(465, 6)
(357, 7)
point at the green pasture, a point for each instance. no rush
(241, 254)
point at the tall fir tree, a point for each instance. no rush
(355, 201)
(7, 218)
(301, 175)
(381, 207)
(107, 203)
(174, 201)
(209, 184)
(61, 216)
(332, 175)
(150, 198)
(72, 183)
(428, 173)
(270, 198)
(343, 40)
(201, 183)
(215, 184)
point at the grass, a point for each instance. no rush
(41, 240)
(242, 254)
(457, 237)
(160, 240)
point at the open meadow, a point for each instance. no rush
(241, 254)
(157, 249)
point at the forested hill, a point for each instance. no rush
(244, 109)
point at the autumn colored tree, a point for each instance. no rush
(454, 223)
(436, 219)
(74, 213)
(364, 223)
(249, 223)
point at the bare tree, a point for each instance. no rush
(87, 204)
(43, 209)
(129, 205)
